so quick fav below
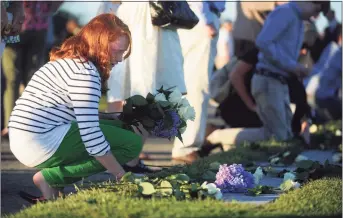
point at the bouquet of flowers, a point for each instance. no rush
(164, 114)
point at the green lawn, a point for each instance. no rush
(320, 198)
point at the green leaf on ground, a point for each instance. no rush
(147, 188)
(166, 188)
(128, 177)
(305, 164)
(182, 178)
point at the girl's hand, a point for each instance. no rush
(141, 131)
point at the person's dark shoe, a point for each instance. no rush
(207, 148)
(30, 198)
(140, 168)
(188, 159)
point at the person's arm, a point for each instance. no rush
(85, 92)
(276, 24)
(108, 116)
(237, 78)
(202, 10)
(17, 9)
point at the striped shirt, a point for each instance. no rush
(59, 93)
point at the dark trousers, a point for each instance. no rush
(242, 46)
(29, 54)
(297, 94)
(3, 87)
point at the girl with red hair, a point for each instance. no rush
(55, 125)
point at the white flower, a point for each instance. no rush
(288, 176)
(300, 158)
(183, 129)
(218, 194)
(338, 132)
(258, 175)
(175, 97)
(274, 160)
(296, 185)
(160, 97)
(184, 102)
(211, 188)
(337, 157)
(187, 113)
(313, 128)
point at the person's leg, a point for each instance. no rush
(71, 162)
(298, 96)
(199, 51)
(3, 87)
(34, 55)
(273, 106)
(329, 109)
(236, 136)
(11, 65)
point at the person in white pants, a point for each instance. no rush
(199, 51)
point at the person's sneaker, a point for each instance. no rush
(140, 168)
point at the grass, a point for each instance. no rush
(320, 198)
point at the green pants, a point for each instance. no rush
(71, 162)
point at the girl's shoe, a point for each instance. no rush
(32, 199)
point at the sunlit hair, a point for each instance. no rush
(92, 43)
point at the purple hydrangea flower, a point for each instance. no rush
(234, 178)
(159, 130)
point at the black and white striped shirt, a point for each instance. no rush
(60, 92)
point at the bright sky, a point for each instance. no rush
(230, 12)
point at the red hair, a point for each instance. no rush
(92, 43)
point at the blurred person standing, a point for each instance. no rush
(22, 59)
(12, 18)
(279, 44)
(225, 47)
(156, 60)
(199, 51)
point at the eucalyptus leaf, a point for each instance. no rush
(150, 97)
(164, 104)
(168, 121)
(127, 108)
(182, 178)
(138, 100)
(166, 188)
(179, 136)
(305, 164)
(215, 166)
(147, 122)
(209, 176)
(147, 188)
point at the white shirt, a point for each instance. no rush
(59, 93)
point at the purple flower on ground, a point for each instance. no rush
(234, 178)
(160, 131)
